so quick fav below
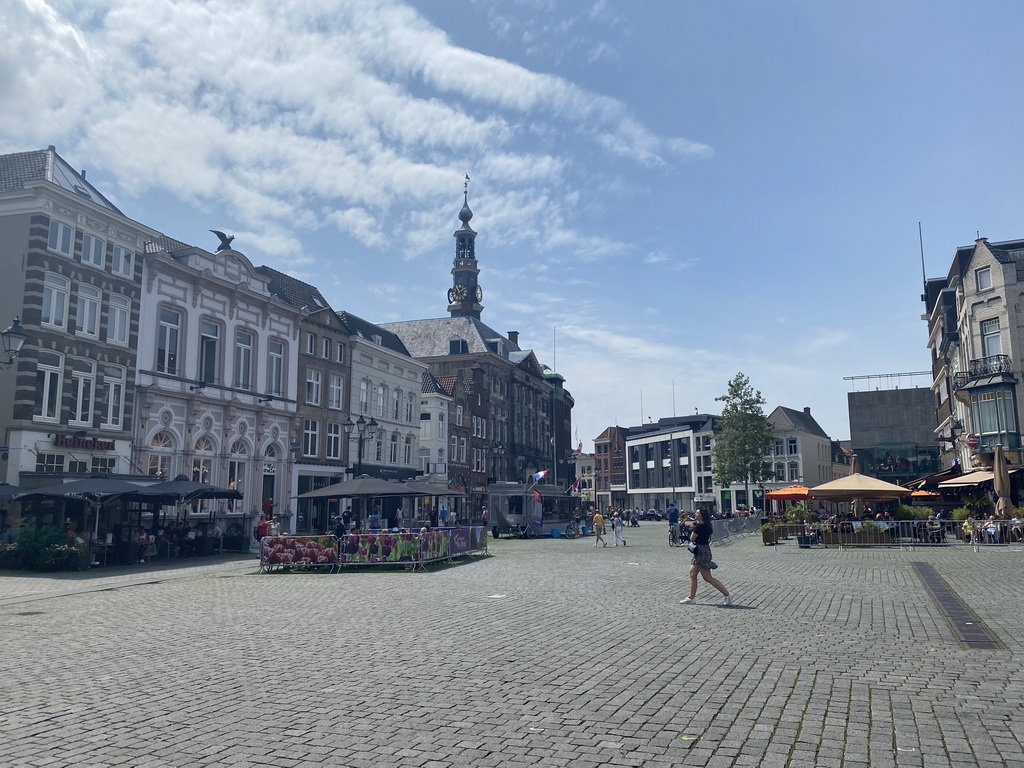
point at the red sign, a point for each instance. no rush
(972, 441)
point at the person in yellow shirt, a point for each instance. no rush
(598, 526)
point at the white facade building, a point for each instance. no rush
(216, 395)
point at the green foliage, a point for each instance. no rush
(962, 513)
(744, 436)
(905, 512)
(978, 501)
(37, 543)
(800, 512)
(768, 527)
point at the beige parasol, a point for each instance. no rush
(1001, 484)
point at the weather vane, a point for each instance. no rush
(465, 185)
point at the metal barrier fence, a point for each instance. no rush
(413, 550)
(898, 533)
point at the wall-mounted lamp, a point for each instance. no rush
(266, 399)
(198, 385)
(14, 337)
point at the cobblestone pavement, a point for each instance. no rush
(548, 653)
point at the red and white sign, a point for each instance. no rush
(972, 441)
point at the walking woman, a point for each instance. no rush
(702, 562)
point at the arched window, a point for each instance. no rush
(202, 462)
(393, 453)
(238, 470)
(161, 454)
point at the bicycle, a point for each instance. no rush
(675, 538)
(572, 530)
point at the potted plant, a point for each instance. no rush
(769, 534)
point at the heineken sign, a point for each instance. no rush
(83, 443)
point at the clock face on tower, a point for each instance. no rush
(479, 293)
(458, 292)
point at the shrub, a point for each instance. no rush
(36, 543)
(962, 513)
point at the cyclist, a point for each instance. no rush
(673, 524)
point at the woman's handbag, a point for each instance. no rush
(691, 546)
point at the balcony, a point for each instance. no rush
(988, 370)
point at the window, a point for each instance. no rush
(458, 415)
(243, 360)
(382, 393)
(407, 458)
(994, 412)
(122, 262)
(341, 353)
(378, 450)
(364, 396)
(335, 392)
(333, 446)
(275, 368)
(792, 446)
(393, 452)
(794, 472)
(396, 404)
(312, 387)
(87, 318)
(118, 312)
(991, 344)
(983, 278)
(56, 290)
(160, 464)
(49, 462)
(202, 462)
(237, 470)
(780, 471)
(83, 381)
(61, 238)
(49, 374)
(310, 344)
(103, 464)
(310, 437)
(462, 450)
(113, 395)
(209, 351)
(455, 449)
(325, 349)
(167, 342)
(779, 448)
(410, 406)
(93, 250)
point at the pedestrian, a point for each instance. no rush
(702, 563)
(673, 524)
(444, 515)
(263, 526)
(598, 524)
(375, 520)
(617, 529)
(268, 506)
(275, 526)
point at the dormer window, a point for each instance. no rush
(983, 278)
(458, 347)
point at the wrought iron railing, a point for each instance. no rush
(982, 367)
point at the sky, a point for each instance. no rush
(667, 192)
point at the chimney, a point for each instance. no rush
(807, 410)
(513, 336)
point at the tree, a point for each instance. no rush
(743, 438)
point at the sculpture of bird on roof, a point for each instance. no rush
(225, 240)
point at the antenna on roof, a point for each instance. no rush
(920, 240)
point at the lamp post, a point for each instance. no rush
(364, 429)
(14, 337)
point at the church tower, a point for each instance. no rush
(465, 295)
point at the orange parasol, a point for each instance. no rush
(920, 493)
(789, 493)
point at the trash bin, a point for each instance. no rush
(555, 533)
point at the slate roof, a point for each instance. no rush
(46, 165)
(168, 245)
(429, 338)
(293, 291)
(783, 419)
(356, 326)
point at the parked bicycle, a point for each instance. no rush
(572, 530)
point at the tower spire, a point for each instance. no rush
(465, 295)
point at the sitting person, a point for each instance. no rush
(992, 530)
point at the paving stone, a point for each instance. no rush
(828, 658)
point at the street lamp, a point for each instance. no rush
(14, 339)
(364, 429)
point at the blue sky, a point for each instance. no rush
(666, 193)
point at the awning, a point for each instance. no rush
(971, 478)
